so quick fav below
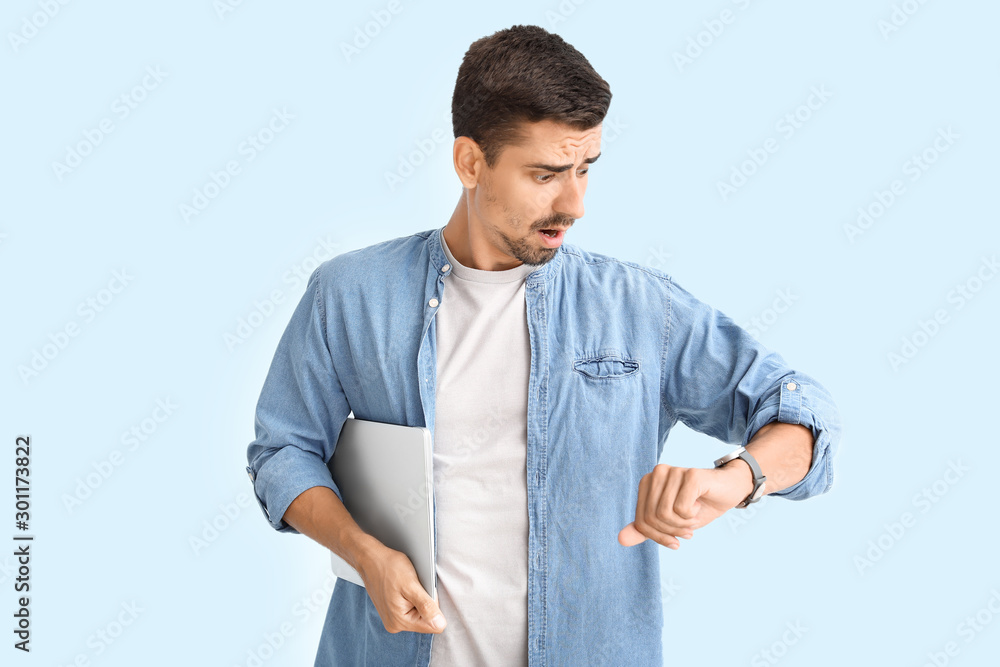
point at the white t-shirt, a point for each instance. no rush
(480, 479)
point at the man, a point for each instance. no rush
(549, 376)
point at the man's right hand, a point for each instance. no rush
(400, 599)
(389, 577)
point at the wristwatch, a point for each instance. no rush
(758, 478)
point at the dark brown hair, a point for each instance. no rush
(524, 73)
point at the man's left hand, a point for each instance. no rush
(673, 502)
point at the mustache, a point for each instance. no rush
(554, 222)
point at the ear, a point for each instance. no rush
(469, 161)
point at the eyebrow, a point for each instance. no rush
(560, 168)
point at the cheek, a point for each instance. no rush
(535, 201)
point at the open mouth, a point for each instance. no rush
(552, 238)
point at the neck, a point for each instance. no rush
(469, 242)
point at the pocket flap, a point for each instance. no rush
(609, 364)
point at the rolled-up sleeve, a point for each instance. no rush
(719, 380)
(300, 412)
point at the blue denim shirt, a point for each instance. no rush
(619, 353)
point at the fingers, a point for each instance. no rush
(670, 489)
(400, 599)
(686, 503)
(664, 483)
(425, 615)
(666, 508)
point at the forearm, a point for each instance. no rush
(783, 452)
(319, 514)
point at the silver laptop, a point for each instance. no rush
(385, 474)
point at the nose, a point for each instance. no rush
(570, 199)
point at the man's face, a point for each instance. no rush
(537, 184)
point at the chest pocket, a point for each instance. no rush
(606, 365)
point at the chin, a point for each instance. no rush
(543, 257)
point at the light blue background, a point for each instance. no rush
(653, 199)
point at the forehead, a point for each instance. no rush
(548, 138)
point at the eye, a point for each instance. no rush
(544, 178)
(583, 172)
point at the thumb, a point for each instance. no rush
(428, 609)
(630, 536)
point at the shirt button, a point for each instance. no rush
(791, 386)
(444, 269)
(433, 303)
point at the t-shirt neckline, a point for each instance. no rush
(512, 275)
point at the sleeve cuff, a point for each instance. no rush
(792, 405)
(284, 476)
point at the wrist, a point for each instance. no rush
(741, 478)
(360, 548)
